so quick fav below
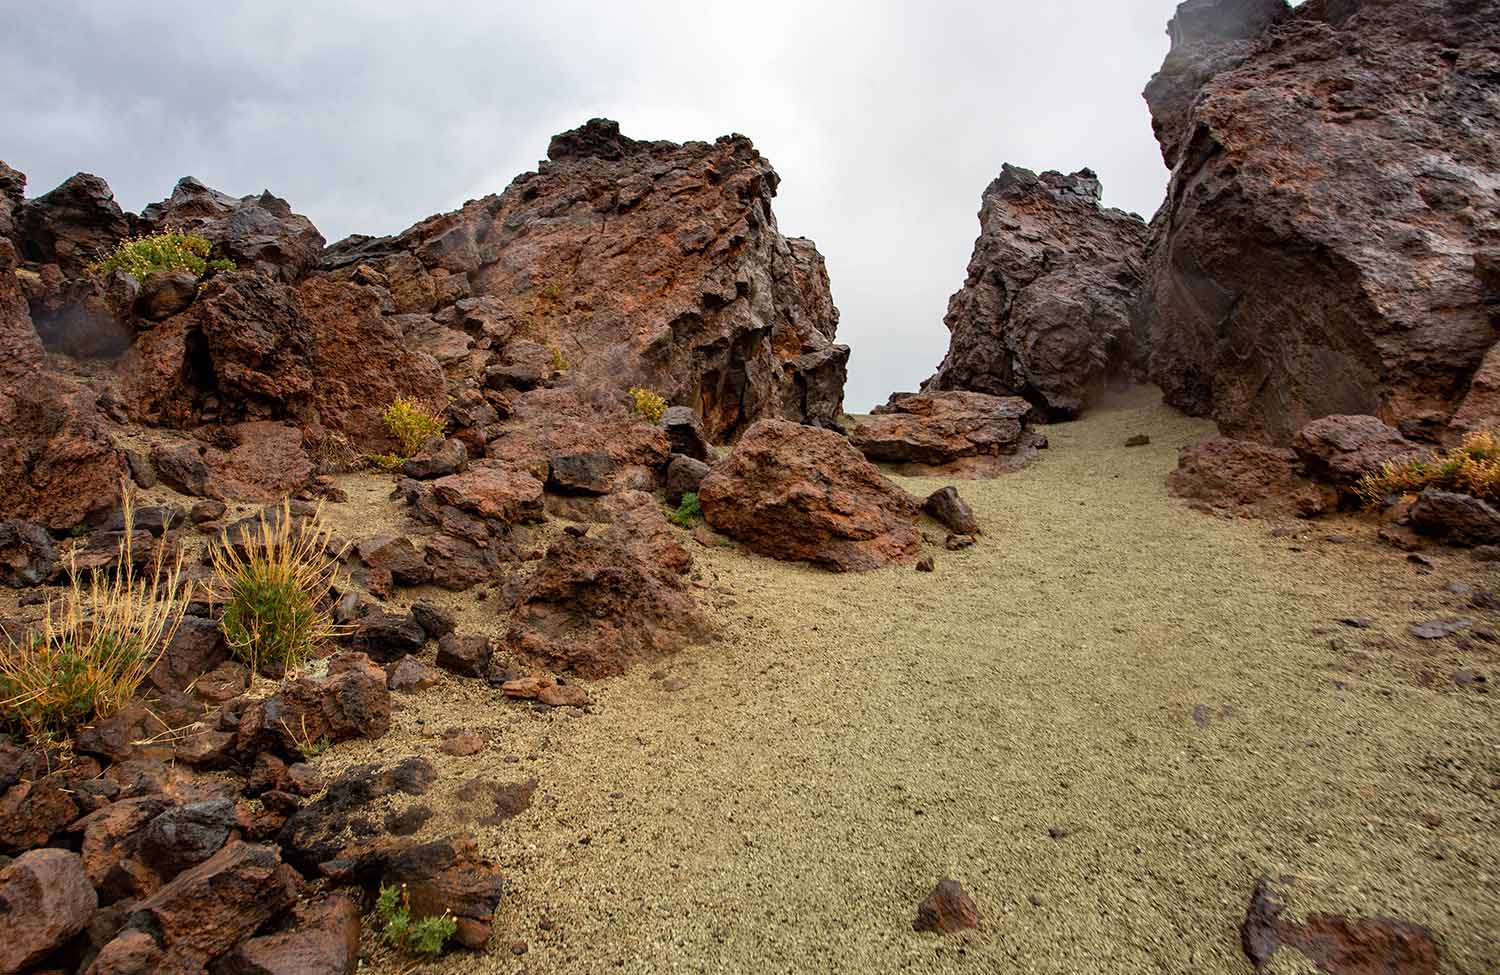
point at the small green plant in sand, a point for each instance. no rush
(688, 510)
(155, 253)
(96, 643)
(415, 936)
(412, 424)
(647, 403)
(274, 583)
(1473, 467)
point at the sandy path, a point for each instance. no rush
(855, 737)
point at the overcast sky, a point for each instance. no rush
(885, 119)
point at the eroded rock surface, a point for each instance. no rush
(955, 432)
(1046, 312)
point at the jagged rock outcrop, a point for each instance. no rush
(256, 232)
(1332, 213)
(1046, 311)
(631, 263)
(970, 434)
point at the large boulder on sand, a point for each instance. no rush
(929, 432)
(1047, 309)
(802, 494)
(1324, 242)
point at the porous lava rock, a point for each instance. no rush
(256, 232)
(351, 701)
(45, 899)
(1245, 477)
(597, 606)
(1340, 450)
(1334, 943)
(1324, 242)
(632, 263)
(798, 493)
(1047, 311)
(948, 909)
(958, 432)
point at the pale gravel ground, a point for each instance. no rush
(853, 738)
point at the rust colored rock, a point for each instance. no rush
(957, 432)
(259, 232)
(597, 606)
(947, 910)
(352, 701)
(692, 291)
(166, 294)
(321, 939)
(45, 899)
(495, 490)
(952, 511)
(684, 475)
(1337, 945)
(259, 461)
(801, 494)
(398, 556)
(112, 834)
(1460, 519)
(1342, 449)
(1249, 478)
(31, 813)
(1047, 309)
(466, 656)
(205, 911)
(450, 876)
(71, 225)
(318, 834)
(1316, 254)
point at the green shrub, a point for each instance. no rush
(273, 587)
(96, 644)
(559, 361)
(422, 936)
(1473, 467)
(687, 510)
(165, 251)
(412, 424)
(647, 403)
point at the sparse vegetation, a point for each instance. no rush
(96, 644)
(688, 510)
(1473, 467)
(273, 586)
(647, 403)
(559, 361)
(387, 463)
(412, 424)
(155, 253)
(422, 936)
(552, 292)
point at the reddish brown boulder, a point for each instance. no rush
(802, 494)
(951, 511)
(1460, 519)
(491, 489)
(1048, 306)
(692, 291)
(33, 812)
(547, 690)
(1247, 478)
(111, 836)
(70, 226)
(322, 939)
(597, 606)
(450, 876)
(576, 419)
(466, 656)
(263, 461)
(352, 701)
(1335, 944)
(205, 911)
(45, 899)
(1321, 247)
(929, 432)
(1342, 449)
(947, 910)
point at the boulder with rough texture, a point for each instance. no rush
(1248, 478)
(1457, 518)
(1047, 309)
(802, 494)
(635, 264)
(948, 909)
(1335, 943)
(957, 431)
(597, 606)
(321, 939)
(685, 432)
(71, 226)
(1342, 449)
(493, 490)
(352, 701)
(27, 555)
(952, 511)
(259, 232)
(45, 899)
(684, 476)
(256, 461)
(1321, 249)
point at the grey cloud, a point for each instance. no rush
(885, 119)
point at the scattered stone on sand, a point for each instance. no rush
(1139, 440)
(927, 564)
(947, 910)
(1337, 945)
(951, 511)
(1459, 519)
(1441, 628)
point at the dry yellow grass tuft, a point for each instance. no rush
(1473, 467)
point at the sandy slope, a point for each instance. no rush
(855, 737)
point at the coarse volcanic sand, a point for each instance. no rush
(1167, 692)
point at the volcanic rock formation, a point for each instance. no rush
(1046, 311)
(1327, 243)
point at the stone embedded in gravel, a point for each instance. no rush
(802, 494)
(410, 675)
(397, 555)
(184, 835)
(1241, 475)
(952, 511)
(31, 813)
(1139, 440)
(1355, 622)
(1440, 628)
(1336, 944)
(352, 701)
(937, 428)
(927, 564)
(493, 490)
(462, 744)
(947, 910)
(438, 622)
(466, 656)
(388, 636)
(45, 899)
(955, 543)
(27, 555)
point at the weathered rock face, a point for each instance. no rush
(1046, 311)
(802, 494)
(1323, 245)
(1340, 450)
(256, 232)
(953, 432)
(1245, 477)
(637, 264)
